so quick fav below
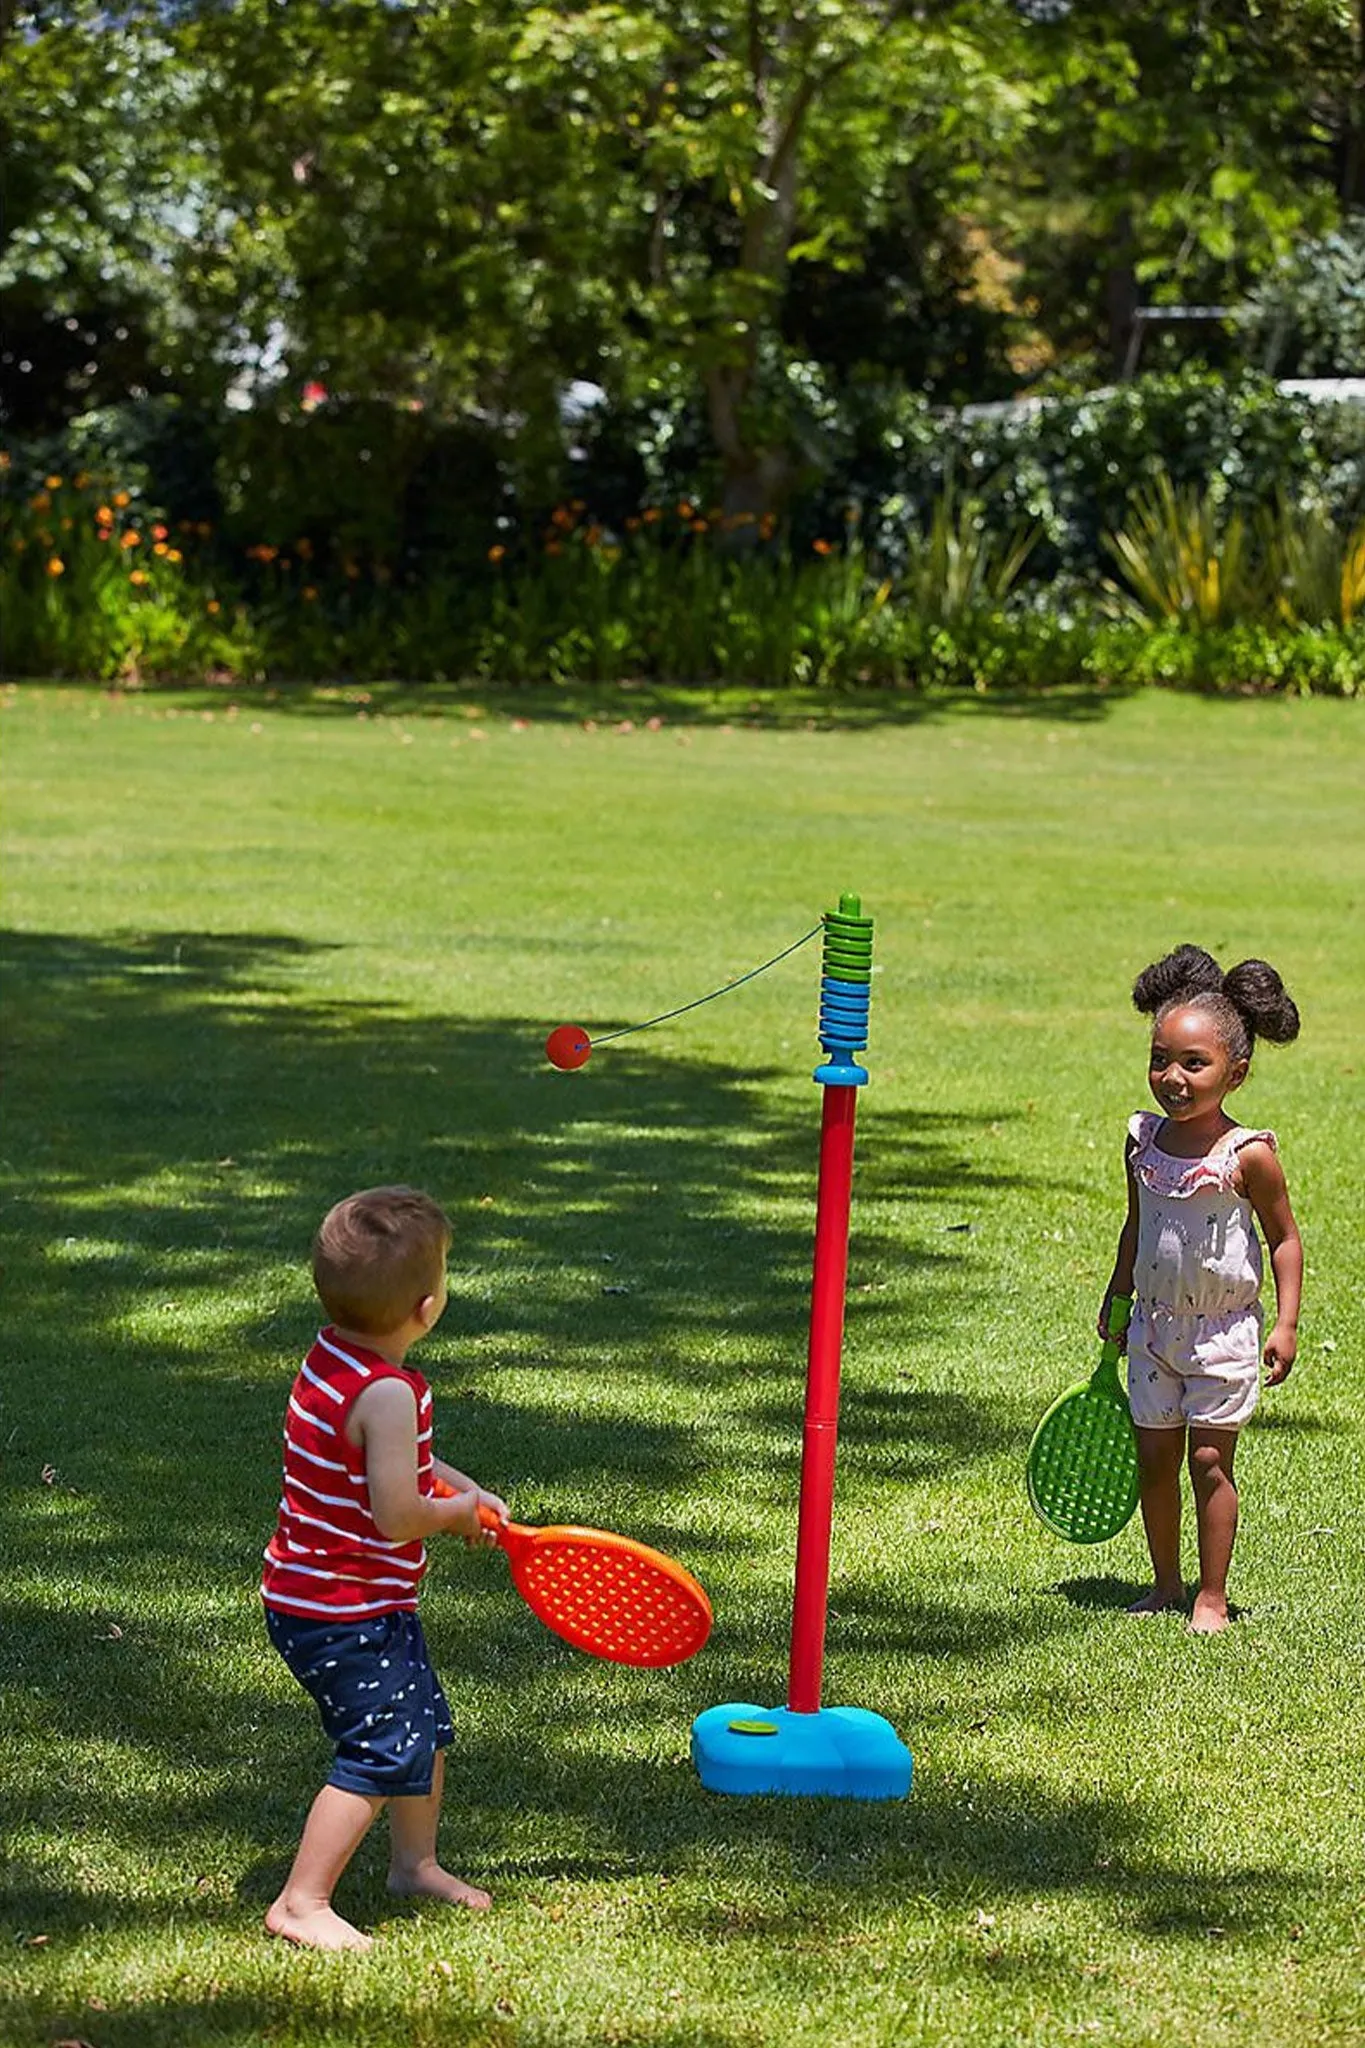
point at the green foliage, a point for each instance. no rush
(94, 584)
(1183, 558)
(1316, 567)
(1307, 317)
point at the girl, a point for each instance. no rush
(1189, 1255)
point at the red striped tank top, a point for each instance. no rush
(327, 1557)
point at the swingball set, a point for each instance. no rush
(803, 1747)
(618, 1599)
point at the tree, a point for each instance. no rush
(472, 206)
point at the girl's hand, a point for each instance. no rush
(1281, 1350)
(1102, 1324)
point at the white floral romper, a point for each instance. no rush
(1194, 1344)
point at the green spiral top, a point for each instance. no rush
(848, 942)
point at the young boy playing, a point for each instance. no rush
(343, 1567)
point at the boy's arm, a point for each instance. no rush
(384, 1425)
(1264, 1182)
(1121, 1279)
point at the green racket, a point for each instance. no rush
(1082, 1463)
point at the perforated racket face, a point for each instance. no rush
(612, 1597)
(1082, 1466)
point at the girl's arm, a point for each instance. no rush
(1264, 1183)
(1121, 1279)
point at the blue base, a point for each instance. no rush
(840, 1752)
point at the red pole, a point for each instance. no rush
(833, 1201)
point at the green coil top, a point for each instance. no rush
(848, 942)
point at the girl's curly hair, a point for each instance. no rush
(1248, 1002)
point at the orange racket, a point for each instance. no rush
(605, 1594)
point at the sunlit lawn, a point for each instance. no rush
(261, 953)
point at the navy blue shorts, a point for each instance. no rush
(379, 1699)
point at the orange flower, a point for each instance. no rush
(56, 566)
(105, 514)
(160, 548)
(685, 510)
(174, 555)
(308, 593)
(652, 515)
(699, 526)
(213, 605)
(138, 576)
(495, 554)
(40, 502)
(53, 483)
(121, 499)
(160, 532)
(80, 482)
(131, 540)
(823, 547)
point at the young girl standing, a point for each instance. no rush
(1190, 1257)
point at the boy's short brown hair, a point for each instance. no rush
(376, 1255)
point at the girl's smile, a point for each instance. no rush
(1190, 1069)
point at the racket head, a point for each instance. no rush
(611, 1596)
(1082, 1464)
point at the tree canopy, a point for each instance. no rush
(742, 207)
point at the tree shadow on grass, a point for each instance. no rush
(633, 703)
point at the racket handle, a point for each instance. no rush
(1120, 1315)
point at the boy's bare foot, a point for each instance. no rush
(1210, 1615)
(315, 1927)
(428, 1881)
(1161, 1600)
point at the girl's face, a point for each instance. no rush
(1190, 1069)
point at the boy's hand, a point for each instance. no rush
(462, 1516)
(498, 1505)
(1282, 1348)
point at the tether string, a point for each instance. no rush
(626, 1030)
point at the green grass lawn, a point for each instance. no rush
(260, 952)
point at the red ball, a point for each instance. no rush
(568, 1046)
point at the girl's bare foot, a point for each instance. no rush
(1210, 1615)
(427, 1880)
(314, 1927)
(1161, 1600)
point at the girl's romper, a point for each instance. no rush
(1194, 1343)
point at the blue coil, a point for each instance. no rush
(844, 1010)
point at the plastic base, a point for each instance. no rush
(837, 1753)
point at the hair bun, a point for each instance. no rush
(1256, 991)
(1188, 971)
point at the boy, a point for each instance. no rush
(343, 1567)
